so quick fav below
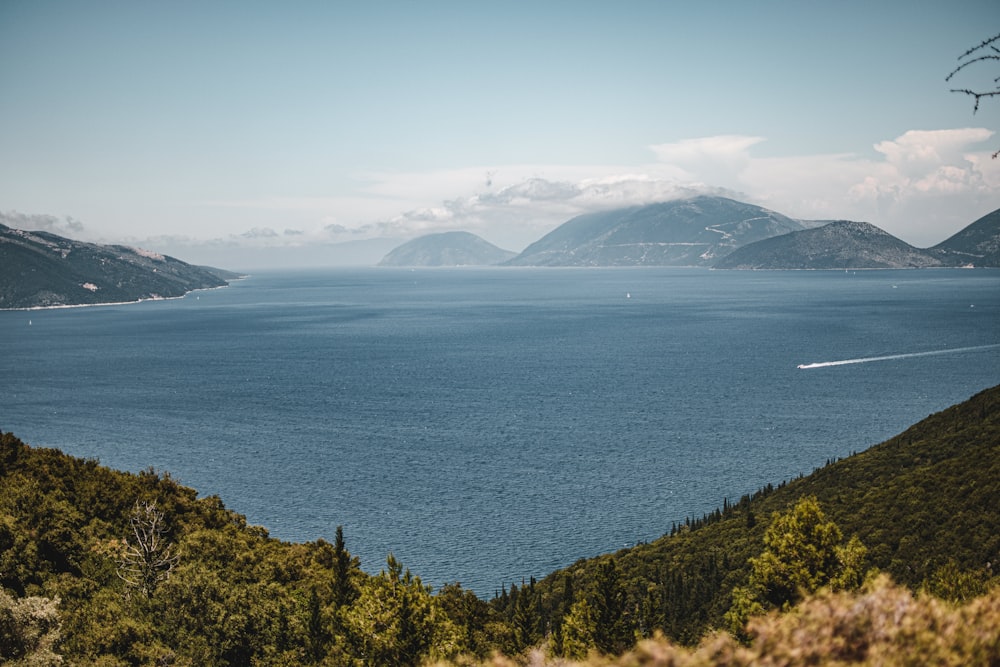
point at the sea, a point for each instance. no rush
(488, 425)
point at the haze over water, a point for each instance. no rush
(486, 425)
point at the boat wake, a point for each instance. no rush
(865, 360)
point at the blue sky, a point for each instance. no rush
(200, 127)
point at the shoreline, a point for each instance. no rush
(119, 303)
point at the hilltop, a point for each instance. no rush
(447, 249)
(842, 244)
(845, 244)
(40, 269)
(684, 232)
(978, 244)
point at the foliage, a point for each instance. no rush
(29, 630)
(802, 553)
(923, 503)
(915, 503)
(884, 625)
(396, 621)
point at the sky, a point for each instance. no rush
(297, 132)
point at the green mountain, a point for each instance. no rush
(40, 269)
(687, 232)
(978, 244)
(447, 249)
(836, 245)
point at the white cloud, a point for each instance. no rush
(917, 151)
(66, 226)
(722, 148)
(921, 186)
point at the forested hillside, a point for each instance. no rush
(922, 503)
(113, 568)
(41, 269)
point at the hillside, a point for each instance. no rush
(687, 232)
(921, 502)
(212, 590)
(40, 269)
(447, 249)
(978, 244)
(837, 245)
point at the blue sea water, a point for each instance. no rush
(487, 425)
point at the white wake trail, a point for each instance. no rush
(865, 360)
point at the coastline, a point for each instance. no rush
(122, 303)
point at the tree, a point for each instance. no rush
(343, 589)
(318, 635)
(802, 553)
(526, 619)
(611, 634)
(578, 630)
(148, 558)
(396, 621)
(985, 52)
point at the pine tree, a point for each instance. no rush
(611, 634)
(343, 589)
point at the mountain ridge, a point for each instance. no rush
(446, 249)
(682, 232)
(978, 244)
(841, 244)
(40, 269)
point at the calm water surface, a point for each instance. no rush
(486, 425)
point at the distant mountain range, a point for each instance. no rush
(845, 244)
(837, 245)
(686, 232)
(447, 249)
(41, 269)
(712, 232)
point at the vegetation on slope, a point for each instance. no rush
(922, 503)
(41, 269)
(112, 568)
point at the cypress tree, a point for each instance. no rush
(612, 633)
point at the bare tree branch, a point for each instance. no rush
(147, 558)
(992, 53)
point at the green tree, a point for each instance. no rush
(802, 553)
(527, 620)
(611, 635)
(396, 621)
(579, 628)
(343, 588)
(318, 634)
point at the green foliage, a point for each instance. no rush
(916, 501)
(611, 634)
(579, 630)
(396, 621)
(923, 503)
(802, 553)
(884, 625)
